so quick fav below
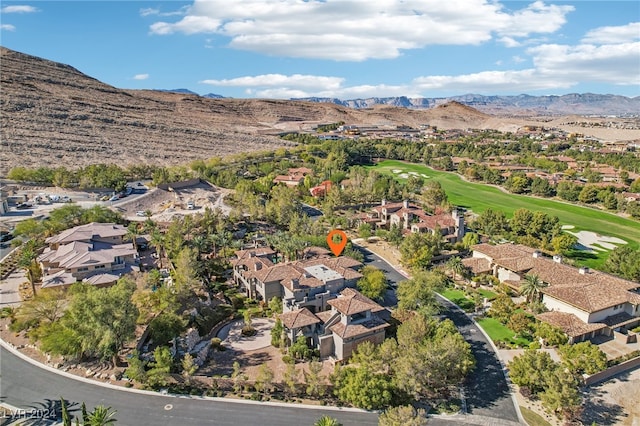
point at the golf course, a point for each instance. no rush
(478, 197)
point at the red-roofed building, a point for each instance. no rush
(322, 189)
(295, 176)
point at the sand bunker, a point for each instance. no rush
(593, 241)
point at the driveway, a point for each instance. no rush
(9, 295)
(232, 336)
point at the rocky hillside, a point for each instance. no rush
(52, 114)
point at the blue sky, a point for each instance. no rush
(339, 48)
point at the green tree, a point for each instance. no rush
(625, 262)
(501, 308)
(264, 379)
(189, 367)
(552, 336)
(363, 388)
(583, 358)
(290, 379)
(275, 305)
(531, 288)
(589, 194)
(136, 369)
(457, 268)
(560, 394)
(277, 333)
(166, 326)
(419, 291)
(97, 323)
(416, 251)
(364, 230)
(158, 374)
(520, 323)
(299, 349)
(470, 239)
(563, 243)
(314, 379)
(531, 368)
(404, 415)
(373, 284)
(491, 223)
(45, 307)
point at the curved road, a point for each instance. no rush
(486, 389)
(25, 386)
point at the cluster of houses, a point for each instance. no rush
(583, 303)
(409, 217)
(94, 253)
(318, 295)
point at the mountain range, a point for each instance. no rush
(54, 115)
(523, 105)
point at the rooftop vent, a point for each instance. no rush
(537, 254)
(583, 270)
(557, 258)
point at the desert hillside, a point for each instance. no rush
(52, 114)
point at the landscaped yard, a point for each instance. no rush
(488, 294)
(479, 197)
(459, 298)
(500, 332)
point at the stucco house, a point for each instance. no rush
(294, 177)
(411, 218)
(581, 302)
(309, 283)
(337, 332)
(94, 253)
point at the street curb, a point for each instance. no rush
(38, 364)
(502, 364)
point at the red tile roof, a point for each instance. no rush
(298, 318)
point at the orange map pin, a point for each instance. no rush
(337, 247)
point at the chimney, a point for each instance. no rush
(257, 266)
(583, 270)
(405, 204)
(557, 258)
(537, 254)
(384, 202)
(295, 283)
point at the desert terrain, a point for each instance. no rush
(52, 114)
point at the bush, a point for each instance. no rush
(247, 331)
(216, 344)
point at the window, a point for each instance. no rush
(83, 269)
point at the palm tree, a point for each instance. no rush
(532, 287)
(327, 421)
(456, 266)
(132, 234)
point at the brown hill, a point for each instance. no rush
(52, 114)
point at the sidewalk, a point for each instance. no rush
(9, 295)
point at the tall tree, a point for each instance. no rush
(531, 288)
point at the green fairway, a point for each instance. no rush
(479, 197)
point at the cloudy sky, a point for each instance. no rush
(339, 48)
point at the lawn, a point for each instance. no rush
(532, 418)
(459, 298)
(499, 332)
(490, 295)
(479, 197)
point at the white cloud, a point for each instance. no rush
(19, 9)
(353, 30)
(611, 35)
(517, 59)
(151, 11)
(280, 80)
(141, 76)
(7, 27)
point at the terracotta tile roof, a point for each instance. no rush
(569, 323)
(325, 315)
(355, 330)
(478, 265)
(257, 252)
(299, 318)
(351, 302)
(590, 291)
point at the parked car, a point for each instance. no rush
(114, 198)
(5, 236)
(23, 206)
(191, 205)
(141, 213)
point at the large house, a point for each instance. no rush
(351, 320)
(94, 253)
(319, 301)
(309, 283)
(294, 177)
(582, 302)
(411, 218)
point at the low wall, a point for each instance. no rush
(612, 371)
(180, 185)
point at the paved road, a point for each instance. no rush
(486, 389)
